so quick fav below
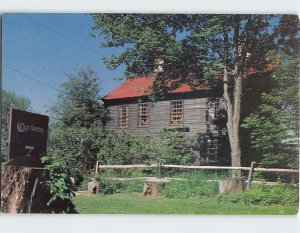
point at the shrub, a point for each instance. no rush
(264, 195)
(115, 148)
(196, 184)
(124, 148)
(110, 187)
(59, 186)
(115, 186)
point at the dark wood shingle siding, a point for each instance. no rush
(159, 116)
(194, 116)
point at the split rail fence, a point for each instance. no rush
(159, 166)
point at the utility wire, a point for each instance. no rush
(60, 34)
(29, 77)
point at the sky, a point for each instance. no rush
(38, 51)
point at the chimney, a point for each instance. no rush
(158, 66)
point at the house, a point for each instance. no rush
(193, 111)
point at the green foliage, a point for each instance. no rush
(264, 195)
(79, 101)
(77, 145)
(124, 148)
(110, 187)
(9, 100)
(188, 43)
(59, 184)
(275, 126)
(197, 184)
(116, 148)
(77, 132)
(172, 147)
(181, 189)
(152, 36)
(115, 186)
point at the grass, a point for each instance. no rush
(135, 203)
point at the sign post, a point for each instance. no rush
(28, 134)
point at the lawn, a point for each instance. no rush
(135, 203)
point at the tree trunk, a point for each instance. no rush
(233, 122)
(23, 190)
(234, 103)
(153, 187)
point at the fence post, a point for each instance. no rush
(159, 169)
(96, 168)
(253, 164)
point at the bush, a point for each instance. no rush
(264, 195)
(123, 148)
(115, 186)
(110, 187)
(197, 184)
(184, 189)
(59, 186)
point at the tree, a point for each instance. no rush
(194, 49)
(80, 116)
(10, 100)
(275, 126)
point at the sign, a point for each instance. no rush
(28, 134)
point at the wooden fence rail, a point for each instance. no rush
(159, 166)
(281, 170)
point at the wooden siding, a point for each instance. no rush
(194, 116)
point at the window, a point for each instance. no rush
(212, 148)
(143, 115)
(176, 112)
(123, 117)
(214, 105)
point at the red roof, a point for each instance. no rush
(141, 86)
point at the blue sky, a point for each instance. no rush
(47, 46)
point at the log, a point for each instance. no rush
(283, 170)
(153, 187)
(23, 190)
(207, 167)
(127, 166)
(200, 167)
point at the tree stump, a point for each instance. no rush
(23, 190)
(153, 187)
(93, 186)
(231, 185)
